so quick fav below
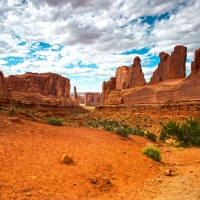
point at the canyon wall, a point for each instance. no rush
(167, 84)
(48, 88)
(92, 99)
(4, 90)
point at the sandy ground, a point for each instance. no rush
(105, 165)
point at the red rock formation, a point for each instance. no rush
(107, 87)
(120, 75)
(4, 91)
(134, 76)
(160, 73)
(171, 85)
(92, 98)
(195, 65)
(176, 63)
(76, 99)
(47, 87)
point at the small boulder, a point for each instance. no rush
(66, 159)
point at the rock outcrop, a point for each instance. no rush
(160, 73)
(4, 90)
(176, 63)
(46, 88)
(92, 98)
(120, 75)
(170, 67)
(168, 83)
(108, 86)
(195, 65)
(76, 99)
(134, 76)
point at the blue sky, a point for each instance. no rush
(86, 40)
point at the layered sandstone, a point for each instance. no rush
(134, 76)
(108, 86)
(4, 90)
(47, 88)
(160, 73)
(176, 63)
(76, 99)
(170, 67)
(92, 98)
(168, 83)
(195, 65)
(120, 75)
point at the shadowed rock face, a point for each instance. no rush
(92, 99)
(107, 87)
(135, 76)
(160, 73)
(176, 63)
(47, 87)
(195, 65)
(4, 91)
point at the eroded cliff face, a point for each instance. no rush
(46, 88)
(167, 84)
(160, 73)
(4, 90)
(170, 67)
(92, 98)
(135, 76)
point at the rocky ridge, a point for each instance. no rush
(48, 88)
(167, 84)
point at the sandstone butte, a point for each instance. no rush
(92, 98)
(167, 84)
(47, 88)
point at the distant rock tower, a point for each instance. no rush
(76, 99)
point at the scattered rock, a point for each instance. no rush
(66, 159)
(168, 172)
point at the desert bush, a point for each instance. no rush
(187, 133)
(152, 152)
(137, 131)
(113, 126)
(1, 108)
(54, 121)
(151, 136)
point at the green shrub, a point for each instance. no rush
(1, 108)
(151, 136)
(137, 131)
(113, 126)
(54, 121)
(187, 133)
(152, 152)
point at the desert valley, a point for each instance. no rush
(102, 164)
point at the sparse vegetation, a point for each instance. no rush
(116, 127)
(151, 136)
(138, 131)
(1, 108)
(152, 152)
(187, 133)
(11, 112)
(54, 121)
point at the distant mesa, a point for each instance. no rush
(168, 82)
(47, 88)
(92, 99)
